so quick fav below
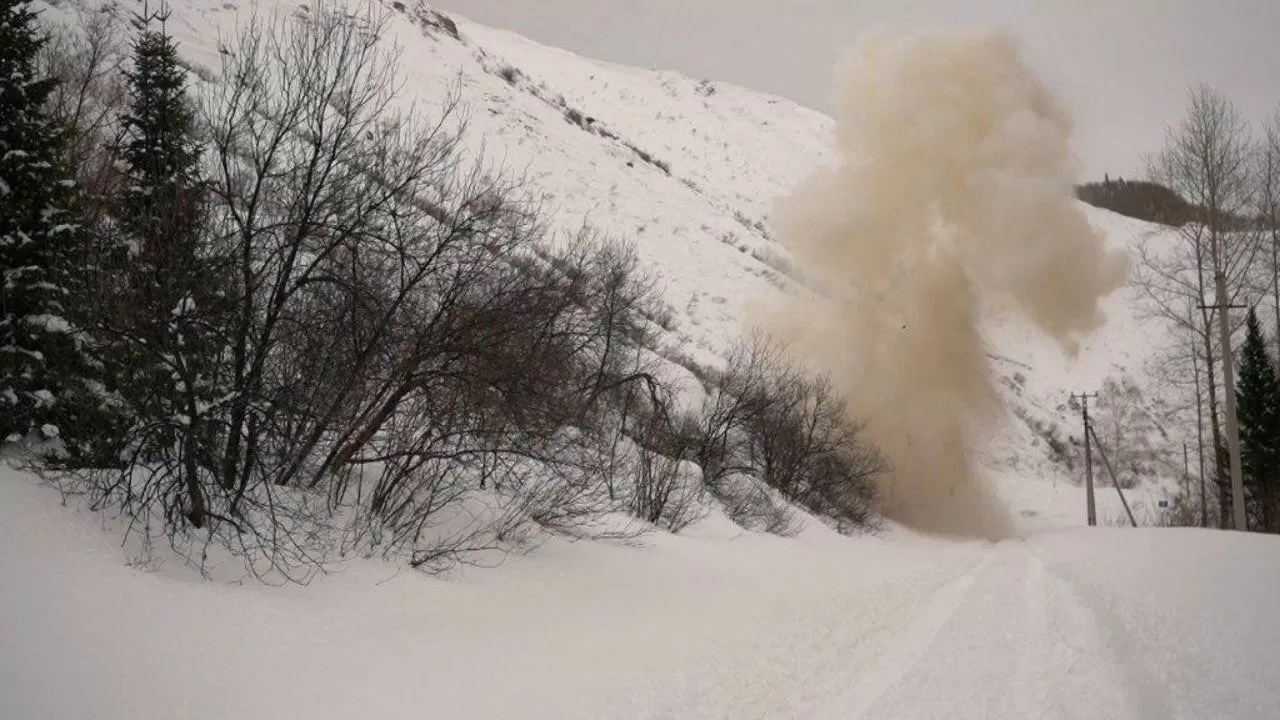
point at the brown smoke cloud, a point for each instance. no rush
(953, 195)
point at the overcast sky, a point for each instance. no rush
(1121, 66)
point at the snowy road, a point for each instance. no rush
(1092, 624)
(1007, 638)
(1027, 630)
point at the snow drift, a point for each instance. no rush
(952, 198)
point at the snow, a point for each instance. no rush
(714, 622)
(49, 323)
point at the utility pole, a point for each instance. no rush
(1229, 381)
(1115, 479)
(1090, 508)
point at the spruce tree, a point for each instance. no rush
(162, 204)
(1258, 402)
(43, 368)
(168, 348)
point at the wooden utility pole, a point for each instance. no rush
(1229, 382)
(1090, 508)
(1115, 479)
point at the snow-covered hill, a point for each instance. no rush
(738, 152)
(715, 621)
(706, 228)
(690, 170)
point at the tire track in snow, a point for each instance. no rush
(1118, 651)
(1035, 683)
(920, 635)
(1009, 639)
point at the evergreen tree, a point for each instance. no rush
(43, 368)
(168, 340)
(162, 205)
(1258, 402)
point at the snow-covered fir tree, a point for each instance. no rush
(1258, 399)
(42, 363)
(168, 351)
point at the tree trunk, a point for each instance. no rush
(1238, 520)
(1215, 430)
(1204, 499)
(1275, 277)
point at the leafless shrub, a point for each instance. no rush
(806, 447)
(398, 343)
(751, 505)
(774, 259)
(664, 493)
(769, 420)
(446, 23)
(720, 442)
(645, 156)
(287, 537)
(511, 74)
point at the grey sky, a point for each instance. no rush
(1121, 66)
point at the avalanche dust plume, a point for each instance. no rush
(952, 199)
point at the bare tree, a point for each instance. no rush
(806, 445)
(663, 492)
(721, 445)
(1269, 208)
(405, 361)
(90, 93)
(1206, 161)
(396, 336)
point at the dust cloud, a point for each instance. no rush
(952, 198)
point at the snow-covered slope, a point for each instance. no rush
(1037, 457)
(738, 152)
(690, 169)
